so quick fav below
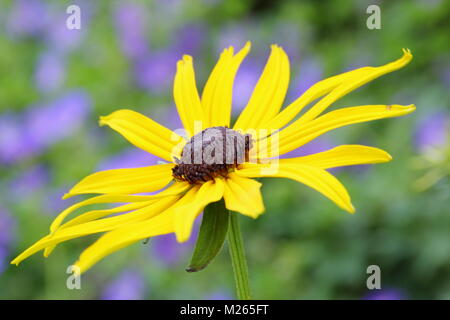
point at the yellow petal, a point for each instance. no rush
(218, 92)
(243, 195)
(335, 87)
(97, 226)
(315, 178)
(137, 202)
(92, 215)
(174, 189)
(125, 236)
(193, 203)
(125, 181)
(186, 97)
(296, 135)
(346, 155)
(144, 133)
(269, 93)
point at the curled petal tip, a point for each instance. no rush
(407, 51)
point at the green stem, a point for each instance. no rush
(237, 253)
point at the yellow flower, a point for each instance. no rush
(263, 131)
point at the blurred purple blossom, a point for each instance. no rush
(14, 140)
(235, 35)
(57, 120)
(219, 295)
(317, 145)
(129, 158)
(29, 181)
(27, 17)
(3, 259)
(167, 250)
(62, 39)
(310, 73)
(130, 21)
(130, 285)
(385, 294)
(50, 71)
(244, 84)
(24, 135)
(287, 36)
(155, 72)
(189, 39)
(47, 20)
(53, 202)
(432, 131)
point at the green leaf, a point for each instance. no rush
(211, 236)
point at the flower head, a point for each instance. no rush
(216, 160)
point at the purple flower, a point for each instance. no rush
(60, 38)
(129, 158)
(130, 285)
(244, 84)
(14, 142)
(27, 18)
(53, 202)
(189, 39)
(51, 123)
(50, 71)
(317, 145)
(165, 248)
(22, 136)
(385, 294)
(234, 35)
(310, 73)
(432, 131)
(287, 35)
(155, 72)
(29, 181)
(219, 295)
(130, 25)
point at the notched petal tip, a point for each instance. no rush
(405, 59)
(407, 52)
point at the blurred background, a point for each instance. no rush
(55, 83)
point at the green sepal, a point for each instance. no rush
(211, 237)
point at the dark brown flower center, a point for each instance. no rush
(213, 152)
